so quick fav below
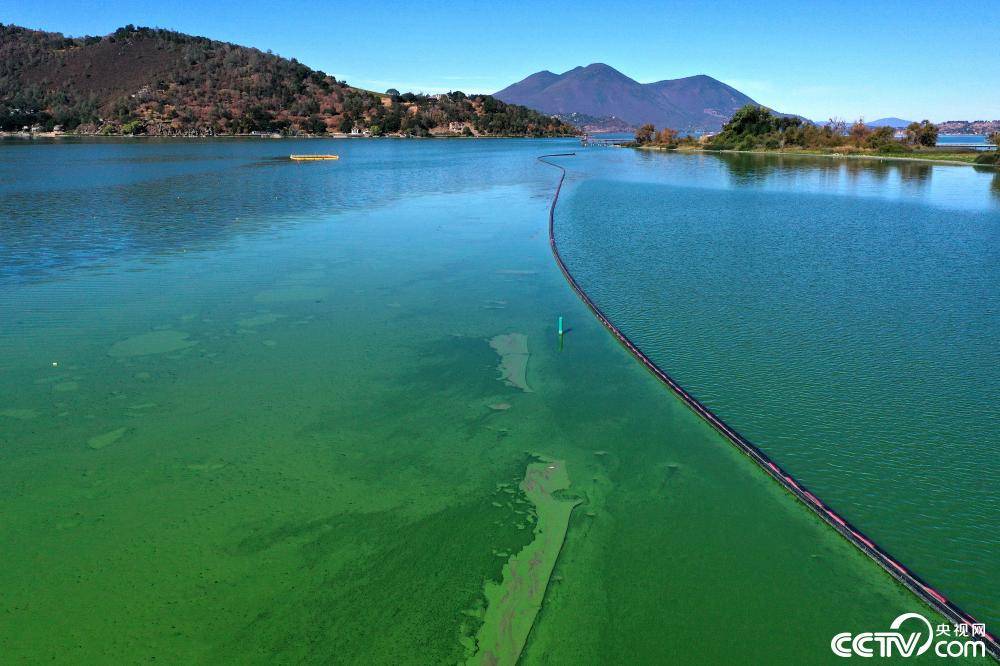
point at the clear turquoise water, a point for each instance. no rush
(843, 315)
(250, 413)
(946, 139)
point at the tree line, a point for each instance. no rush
(758, 128)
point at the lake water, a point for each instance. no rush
(946, 139)
(256, 411)
(843, 315)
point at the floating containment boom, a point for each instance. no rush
(313, 158)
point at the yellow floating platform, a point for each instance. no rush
(309, 158)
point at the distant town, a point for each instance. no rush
(982, 127)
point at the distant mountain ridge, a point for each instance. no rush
(599, 90)
(983, 127)
(896, 123)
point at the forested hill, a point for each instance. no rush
(151, 81)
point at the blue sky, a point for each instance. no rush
(917, 59)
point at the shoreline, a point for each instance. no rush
(802, 153)
(29, 136)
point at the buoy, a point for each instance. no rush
(560, 327)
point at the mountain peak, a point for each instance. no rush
(896, 123)
(697, 102)
(599, 69)
(701, 77)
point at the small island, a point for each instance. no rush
(756, 128)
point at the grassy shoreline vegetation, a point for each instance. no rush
(147, 81)
(755, 129)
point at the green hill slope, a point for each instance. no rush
(159, 82)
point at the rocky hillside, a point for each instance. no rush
(143, 80)
(591, 124)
